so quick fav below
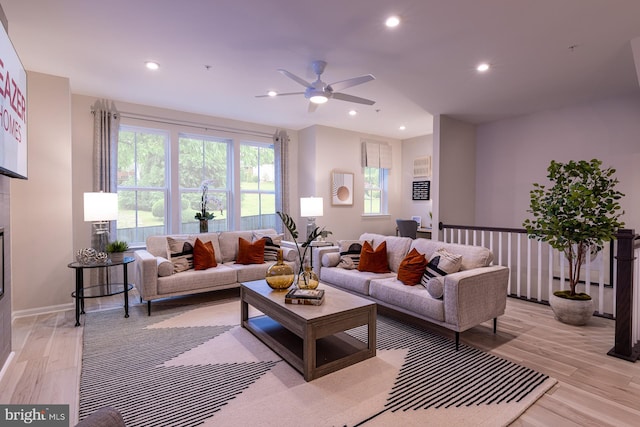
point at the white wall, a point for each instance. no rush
(340, 150)
(454, 171)
(411, 149)
(41, 219)
(513, 154)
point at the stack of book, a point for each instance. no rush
(304, 296)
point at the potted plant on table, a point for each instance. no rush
(204, 216)
(307, 279)
(576, 215)
(116, 250)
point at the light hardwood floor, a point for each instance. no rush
(593, 389)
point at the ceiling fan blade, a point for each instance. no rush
(343, 84)
(351, 98)
(312, 107)
(295, 78)
(280, 94)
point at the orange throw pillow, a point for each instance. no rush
(374, 261)
(203, 255)
(250, 253)
(412, 268)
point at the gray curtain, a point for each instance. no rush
(281, 149)
(106, 123)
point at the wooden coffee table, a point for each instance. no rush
(310, 338)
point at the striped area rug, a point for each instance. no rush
(193, 365)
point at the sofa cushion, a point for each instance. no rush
(213, 238)
(229, 243)
(249, 272)
(180, 253)
(374, 260)
(203, 255)
(397, 247)
(165, 267)
(442, 263)
(349, 253)
(410, 298)
(412, 268)
(353, 280)
(193, 280)
(472, 256)
(250, 253)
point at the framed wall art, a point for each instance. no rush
(341, 188)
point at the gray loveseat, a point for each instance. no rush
(475, 294)
(154, 277)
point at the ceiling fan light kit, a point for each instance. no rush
(318, 92)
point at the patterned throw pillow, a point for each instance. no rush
(374, 260)
(204, 255)
(250, 253)
(180, 254)
(271, 246)
(349, 253)
(441, 263)
(412, 268)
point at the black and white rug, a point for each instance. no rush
(194, 365)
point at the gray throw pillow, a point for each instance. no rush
(435, 287)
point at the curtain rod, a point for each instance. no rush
(197, 125)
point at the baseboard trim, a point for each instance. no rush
(41, 310)
(7, 362)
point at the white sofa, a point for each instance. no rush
(475, 294)
(152, 267)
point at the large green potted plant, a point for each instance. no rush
(577, 214)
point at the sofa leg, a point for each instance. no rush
(457, 340)
(149, 308)
(495, 324)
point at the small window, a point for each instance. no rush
(375, 191)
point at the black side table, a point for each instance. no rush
(101, 290)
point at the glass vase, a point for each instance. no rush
(280, 275)
(308, 279)
(204, 225)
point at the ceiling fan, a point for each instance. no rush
(318, 92)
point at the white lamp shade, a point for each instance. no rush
(311, 207)
(100, 206)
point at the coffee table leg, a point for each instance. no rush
(372, 331)
(244, 308)
(309, 353)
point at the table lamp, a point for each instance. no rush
(310, 208)
(100, 208)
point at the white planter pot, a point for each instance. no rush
(571, 312)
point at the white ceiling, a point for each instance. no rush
(426, 66)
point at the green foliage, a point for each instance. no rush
(157, 210)
(580, 210)
(290, 224)
(579, 296)
(117, 246)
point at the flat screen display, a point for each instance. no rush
(13, 111)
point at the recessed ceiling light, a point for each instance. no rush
(483, 67)
(152, 65)
(392, 21)
(352, 112)
(403, 127)
(272, 93)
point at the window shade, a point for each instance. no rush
(376, 155)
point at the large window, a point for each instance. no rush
(142, 183)
(375, 190)
(257, 186)
(204, 160)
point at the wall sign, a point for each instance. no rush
(421, 190)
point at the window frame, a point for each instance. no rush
(382, 187)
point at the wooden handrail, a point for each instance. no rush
(442, 226)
